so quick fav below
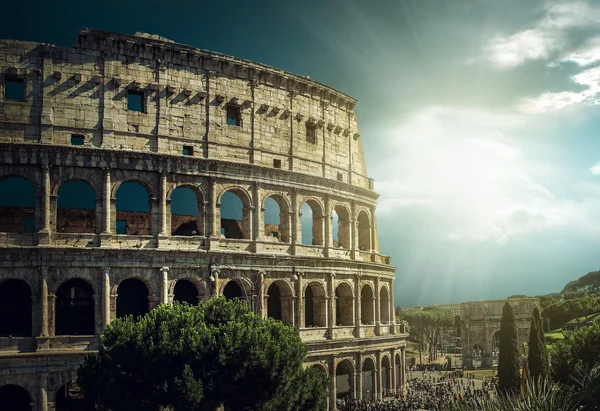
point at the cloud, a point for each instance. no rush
(595, 169)
(545, 39)
(463, 169)
(585, 55)
(546, 102)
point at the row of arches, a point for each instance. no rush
(16, 398)
(76, 212)
(75, 304)
(347, 377)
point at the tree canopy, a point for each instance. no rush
(508, 357)
(185, 357)
(427, 326)
(537, 357)
(579, 351)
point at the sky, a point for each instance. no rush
(478, 119)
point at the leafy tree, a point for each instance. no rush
(184, 357)
(508, 357)
(538, 355)
(578, 351)
(579, 309)
(547, 299)
(589, 283)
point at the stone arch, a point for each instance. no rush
(74, 314)
(343, 226)
(68, 398)
(15, 308)
(311, 222)
(133, 298)
(344, 379)
(281, 220)
(280, 306)
(186, 210)
(384, 305)
(367, 312)
(236, 219)
(17, 204)
(386, 375)
(199, 284)
(186, 292)
(236, 288)
(344, 304)
(15, 398)
(365, 242)
(368, 379)
(315, 305)
(134, 208)
(76, 206)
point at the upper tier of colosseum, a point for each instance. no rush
(148, 94)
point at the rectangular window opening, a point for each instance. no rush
(15, 89)
(77, 139)
(311, 134)
(234, 115)
(121, 226)
(28, 225)
(188, 150)
(136, 101)
(340, 177)
(276, 163)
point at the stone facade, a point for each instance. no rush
(481, 322)
(209, 123)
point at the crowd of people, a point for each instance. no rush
(431, 391)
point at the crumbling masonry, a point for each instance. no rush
(99, 143)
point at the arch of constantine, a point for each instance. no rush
(480, 326)
(135, 171)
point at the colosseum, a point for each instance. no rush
(135, 171)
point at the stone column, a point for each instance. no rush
(392, 381)
(353, 392)
(353, 230)
(51, 315)
(332, 302)
(332, 385)
(215, 284)
(378, 377)
(164, 285)
(44, 233)
(105, 298)
(327, 215)
(403, 369)
(359, 376)
(357, 314)
(106, 207)
(43, 400)
(373, 233)
(295, 230)
(163, 203)
(261, 294)
(44, 302)
(392, 306)
(377, 306)
(212, 213)
(300, 306)
(258, 227)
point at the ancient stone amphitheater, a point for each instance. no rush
(135, 171)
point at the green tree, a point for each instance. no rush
(184, 357)
(575, 354)
(537, 357)
(508, 357)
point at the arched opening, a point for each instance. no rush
(75, 308)
(368, 379)
(277, 219)
(186, 205)
(15, 308)
(232, 290)
(69, 398)
(341, 227)
(311, 221)
(386, 377)
(133, 209)
(235, 215)
(398, 372)
(76, 208)
(364, 231)
(17, 205)
(132, 298)
(186, 292)
(477, 353)
(344, 305)
(274, 302)
(366, 305)
(384, 304)
(315, 305)
(495, 343)
(344, 383)
(14, 398)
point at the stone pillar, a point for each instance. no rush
(163, 204)
(300, 306)
(43, 400)
(377, 306)
(331, 302)
(392, 382)
(357, 314)
(392, 306)
(164, 285)
(258, 226)
(359, 376)
(353, 385)
(296, 230)
(261, 294)
(327, 216)
(105, 298)
(403, 369)
(212, 213)
(46, 197)
(373, 233)
(378, 378)
(106, 207)
(215, 283)
(51, 315)
(44, 302)
(353, 230)
(332, 385)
